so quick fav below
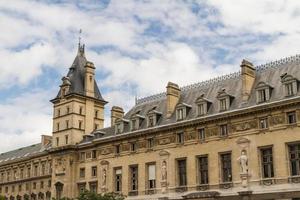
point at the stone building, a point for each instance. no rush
(233, 137)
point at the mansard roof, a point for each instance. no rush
(76, 76)
(23, 153)
(269, 73)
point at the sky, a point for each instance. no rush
(137, 46)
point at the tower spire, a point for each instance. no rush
(80, 47)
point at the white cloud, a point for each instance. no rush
(24, 118)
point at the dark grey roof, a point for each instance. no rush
(76, 76)
(22, 153)
(269, 73)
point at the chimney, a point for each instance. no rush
(116, 113)
(89, 77)
(173, 94)
(46, 139)
(248, 78)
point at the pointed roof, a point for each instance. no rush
(76, 76)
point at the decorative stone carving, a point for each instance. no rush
(212, 131)
(190, 135)
(278, 119)
(60, 166)
(164, 171)
(202, 195)
(106, 151)
(125, 147)
(104, 169)
(243, 160)
(244, 126)
(166, 140)
(142, 144)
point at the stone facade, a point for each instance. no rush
(234, 137)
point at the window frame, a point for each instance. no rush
(226, 167)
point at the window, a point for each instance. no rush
(226, 167)
(96, 113)
(96, 126)
(80, 110)
(262, 95)
(66, 139)
(34, 185)
(180, 138)
(291, 117)
(80, 124)
(35, 170)
(263, 123)
(133, 178)
(150, 143)
(180, 114)
(57, 141)
(223, 104)
(81, 188)
(22, 174)
(8, 176)
(43, 169)
(151, 121)
(20, 188)
(94, 171)
(57, 126)
(118, 128)
(42, 184)
(201, 109)
(15, 175)
(289, 89)
(88, 155)
(117, 149)
(223, 130)
(82, 172)
(58, 112)
(151, 176)
(28, 172)
(182, 179)
(203, 170)
(267, 163)
(118, 180)
(201, 132)
(6, 189)
(134, 124)
(82, 156)
(68, 109)
(94, 154)
(13, 188)
(294, 158)
(49, 183)
(93, 187)
(133, 146)
(67, 124)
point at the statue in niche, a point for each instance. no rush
(103, 177)
(243, 160)
(164, 171)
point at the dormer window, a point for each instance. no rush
(225, 100)
(202, 105)
(120, 125)
(152, 117)
(263, 92)
(136, 121)
(290, 84)
(182, 111)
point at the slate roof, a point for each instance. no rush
(268, 73)
(76, 76)
(23, 153)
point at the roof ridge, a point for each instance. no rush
(205, 83)
(21, 148)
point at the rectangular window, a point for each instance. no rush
(267, 163)
(201, 109)
(262, 96)
(8, 176)
(133, 178)
(118, 128)
(81, 188)
(67, 139)
(263, 123)
(223, 130)
(57, 141)
(182, 179)
(49, 183)
(96, 114)
(117, 149)
(180, 114)
(289, 89)
(82, 156)
(96, 126)
(80, 110)
(93, 187)
(58, 112)
(226, 167)
(57, 126)
(22, 173)
(150, 121)
(150, 143)
(201, 132)
(294, 158)
(80, 124)
(15, 175)
(82, 172)
(133, 146)
(67, 124)
(180, 138)
(28, 172)
(133, 124)
(94, 171)
(223, 104)
(94, 154)
(151, 176)
(203, 170)
(35, 170)
(42, 184)
(43, 171)
(20, 188)
(68, 109)
(13, 188)
(118, 180)
(34, 185)
(291, 117)
(88, 155)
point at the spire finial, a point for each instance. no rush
(80, 47)
(79, 37)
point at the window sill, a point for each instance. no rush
(133, 193)
(268, 181)
(202, 187)
(181, 189)
(294, 179)
(150, 191)
(226, 185)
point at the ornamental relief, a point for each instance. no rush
(106, 151)
(166, 140)
(190, 135)
(125, 147)
(277, 119)
(244, 126)
(212, 131)
(142, 144)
